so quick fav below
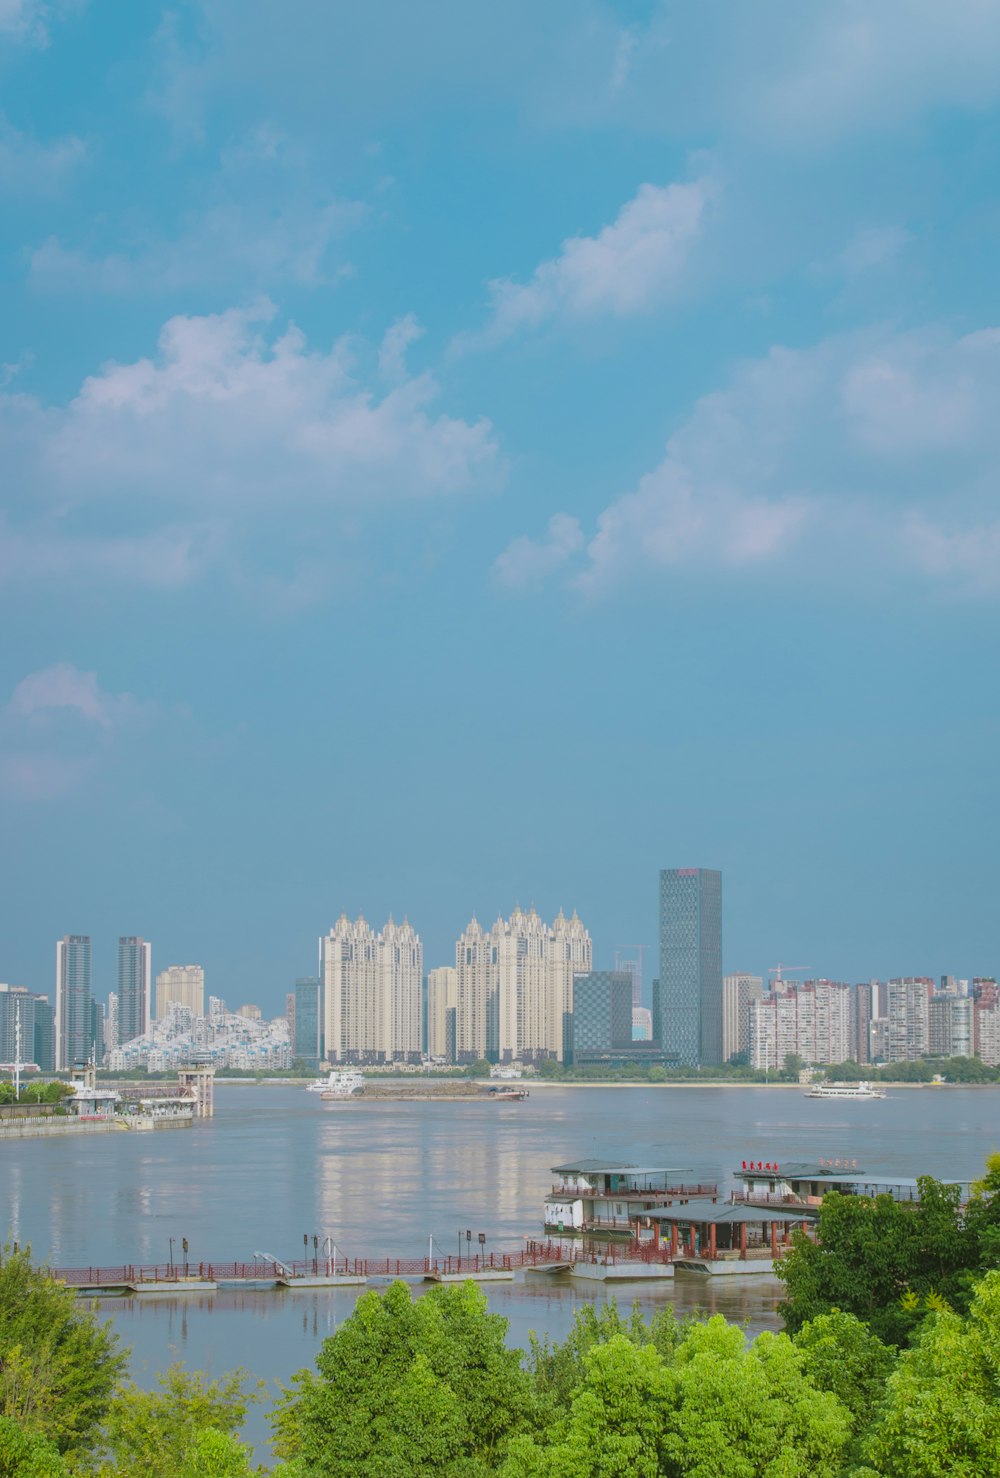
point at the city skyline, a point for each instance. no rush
(229, 983)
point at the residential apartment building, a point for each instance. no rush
(909, 999)
(180, 985)
(74, 1006)
(134, 993)
(514, 988)
(814, 1020)
(442, 1007)
(371, 991)
(737, 993)
(986, 1020)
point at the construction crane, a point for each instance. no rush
(776, 971)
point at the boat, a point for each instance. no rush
(508, 1094)
(342, 1082)
(846, 1090)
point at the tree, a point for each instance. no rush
(712, 1407)
(478, 1069)
(58, 1365)
(942, 1408)
(559, 1369)
(792, 1066)
(407, 1387)
(841, 1355)
(167, 1432)
(881, 1259)
(24, 1455)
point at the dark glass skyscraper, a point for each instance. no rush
(74, 1017)
(308, 1043)
(134, 986)
(690, 984)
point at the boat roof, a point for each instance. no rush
(609, 1167)
(724, 1213)
(803, 1169)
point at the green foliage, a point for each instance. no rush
(407, 1387)
(24, 1455)
(478, 1069)
(942, 1410)
(169, 1431)
(711, 1407)
(871, 1253)
(558, 1369)
(792, 1066)
(58, 1365)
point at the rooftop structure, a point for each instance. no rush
(601, 1196)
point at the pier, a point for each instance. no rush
(605, 1263)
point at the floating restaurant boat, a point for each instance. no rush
(342, 1082)
(803, 1184)
(600, 1196)
(863, 1089)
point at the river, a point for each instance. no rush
(276, 1165)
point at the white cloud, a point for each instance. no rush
(27, 165)
(872, 453)
(222, 440)
(63, 686)
(228, 242)
(55, 728)
(871, 249)
(628, 267)
(529, 561)
(392, 354)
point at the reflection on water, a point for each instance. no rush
(277, 1165)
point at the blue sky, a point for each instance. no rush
(459, 455)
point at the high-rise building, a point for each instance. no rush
(290, 1015)
(814, 1020)
(180, 985)
(909, 1018)
(307, 1043)
(372, 985)
(515, 986)
(476, 1019)
(33, 1013)
(74, 1023)
(134, 983)
(737, 992)
(986, 1020)
(601, 1027)
(949, 1026)
(250, 1011)
(442, 1006)
(691, 965)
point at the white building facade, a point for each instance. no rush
(514, 986)
(372, 986)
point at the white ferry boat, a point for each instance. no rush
(342, 1082)
(846, 1090)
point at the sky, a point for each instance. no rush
(462, 455)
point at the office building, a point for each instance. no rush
(180, 985)
(601, 1027)
(74, 1016)
(642, 1022)
(372, 987)
(134, 982)
(442, 1007)
(19, 1006)
(307, 1042)
(737, 992)
(691, 965)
